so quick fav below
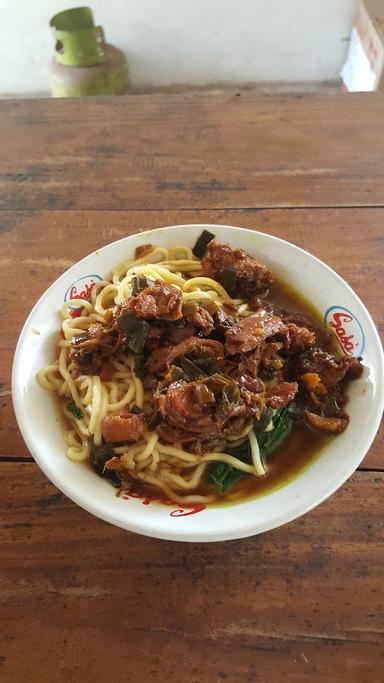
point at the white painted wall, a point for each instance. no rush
(188, 41)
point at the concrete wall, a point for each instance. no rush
(188, 42)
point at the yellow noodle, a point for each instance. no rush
(181, 482)
(182, 266)
(155, 460)
(158, 253)
(49, 377)
(167, 467)
(230, 460)
(256, 457)
(186, 500)
(204, 283)
(240, 437)
(105, 298)
(78, 448)
(180, 251)
(199, 294)
(243, 309)
(113, 404)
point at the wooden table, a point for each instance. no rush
(84, 601)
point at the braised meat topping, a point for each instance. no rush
(212, 367)
(160, 301)
(251, 332)
(248, 276)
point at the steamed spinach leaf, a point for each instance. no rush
(282, 425)
(225, 476)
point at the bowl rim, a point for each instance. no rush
(190, 535)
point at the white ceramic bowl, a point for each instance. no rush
(343, 312)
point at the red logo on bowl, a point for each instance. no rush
(81, 289)
(146, 499)
(347, 329)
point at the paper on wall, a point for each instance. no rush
(357, 72)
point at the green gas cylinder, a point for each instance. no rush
(84, 64)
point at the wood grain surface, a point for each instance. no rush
(36, 247)
(81, 600)
(84, 601)
(192, 151)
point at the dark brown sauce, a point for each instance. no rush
(302, 446)
(297, 451)
(287, 297)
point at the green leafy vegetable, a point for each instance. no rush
(282, 425)
(176, 373)
(189, 368)
(264, 420)
(207, 364)
(136, 410)
(201, 244)
(139, 282)
(99, 456)
(230, 399)
(201, 366)
(72, 408)
(141, 369)
(136, 330)
(225, 476)
(242, 452)
(228, 279)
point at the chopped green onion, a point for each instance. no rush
(76, 412)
